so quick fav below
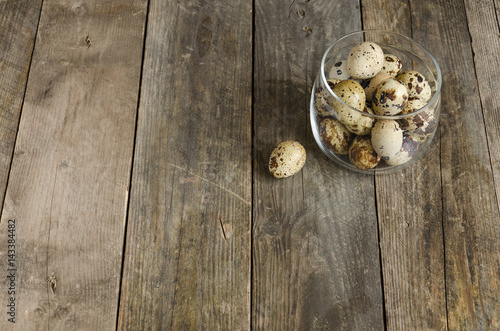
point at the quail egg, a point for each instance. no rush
(321, 98)
(416, 84)
(364, 124)
(335, 135)
(370, 85)
(421, 124)
(287, 159)
(365, 60)
(353, 95)
(392, 65)
(361, 153)
(339, 71)
(387, 138)
(390, 97)
(406, 152)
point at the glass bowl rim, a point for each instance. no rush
(432, 101)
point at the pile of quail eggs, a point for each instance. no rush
(374, 83)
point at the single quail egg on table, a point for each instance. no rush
(287, 159)
(416, 84)
(365, 60)
(361, 153)
(387, 138)
(390, 97)
(353, 95)
(392, 65)
(335, 135)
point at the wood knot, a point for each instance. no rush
(307, 29)
(79, 9)
(52, 280)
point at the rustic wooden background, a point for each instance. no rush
(134, 141)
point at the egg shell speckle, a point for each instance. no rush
(353, 95)
(392, 65)
(321, 99)
(339, 71)
(423, 123)
(361, 153)
(365, 60)
(387, 138)
(406, 153)
(364, 124)
(416, 84)
(390, 97)
(370, 85)
(287, 159)
(335, 136)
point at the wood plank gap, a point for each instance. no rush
(410, 9)
(127, 202)
(443, 227)
(382, 282)
(252, 169)
(20, 113)
(362, 28)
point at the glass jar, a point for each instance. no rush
(355, 138)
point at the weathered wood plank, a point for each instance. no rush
(70, 173)
(409, 209)
(470, 208)
(485, 236)
(192, 163)
(316, 256)
(484, 31)
(18, 22)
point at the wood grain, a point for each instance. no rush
(470, 208)
(315, 253)
(70, 172)
(187, 262)
(409, 209)
(484, 31)
(482, 246)
(19, 22)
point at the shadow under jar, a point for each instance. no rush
(375, 103)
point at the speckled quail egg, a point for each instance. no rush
(416, 84)
(390, 97)
(406, 152)
(339, 71)
(287, 159)
(365, 60)
(392, 65)
(364, 124)
(387, 138)
(353, 95)
(335, 136)
(421, 124)
(370, 85)
(361, 153)
(321, 97)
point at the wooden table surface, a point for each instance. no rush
(134, 142)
